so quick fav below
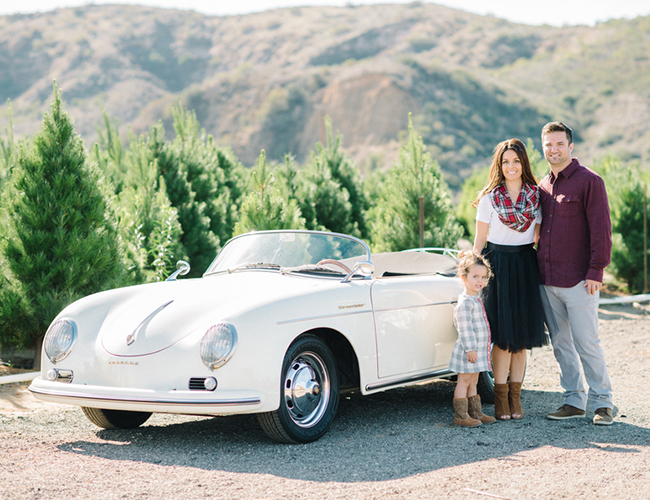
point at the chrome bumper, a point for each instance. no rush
(182, 402)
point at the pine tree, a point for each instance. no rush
(625, 192)
(213, 173)
(109, 153)
(264, 207)
(328, 189)
(7, 149)
(396, 218)
(346, 174)
(147, 223)
(627, 250)
(465, 212)
(286, 177)
(323, 202)
(199, 243)
(538, 163)
(60, 241)
(200, 181)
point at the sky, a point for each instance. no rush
(552, 12)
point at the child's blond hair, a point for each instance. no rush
(467, 259)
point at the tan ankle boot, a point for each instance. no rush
(514, 400)
(501, 406)
(475, 411)
(460, 414)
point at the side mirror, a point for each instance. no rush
(182, 268)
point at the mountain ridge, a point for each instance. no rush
(266, 80)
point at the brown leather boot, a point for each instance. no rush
(475, 411)
(514, 400)
(460, 414)
(501, 406)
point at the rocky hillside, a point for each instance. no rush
(267, 80)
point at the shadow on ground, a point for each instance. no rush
(381, 437)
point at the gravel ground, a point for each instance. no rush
(398, 444)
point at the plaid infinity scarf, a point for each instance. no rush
(520, 215)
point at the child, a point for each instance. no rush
(471, 353)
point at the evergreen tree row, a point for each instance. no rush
(74, 222)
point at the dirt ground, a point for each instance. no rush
(397, 444)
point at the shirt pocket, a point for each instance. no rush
(568, 206)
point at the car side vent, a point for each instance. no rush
(197, 384)
(202, 384)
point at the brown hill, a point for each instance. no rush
(266, 80)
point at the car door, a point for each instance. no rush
(414, 323)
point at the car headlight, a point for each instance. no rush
(218, 345)
(60, 339)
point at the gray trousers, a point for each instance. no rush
(572, 318)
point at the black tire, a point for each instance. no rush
(485, 387)
(116, 419)
(309, 394)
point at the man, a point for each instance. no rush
(574, 248)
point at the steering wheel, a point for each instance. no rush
(336, 263)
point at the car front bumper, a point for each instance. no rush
(120, 398)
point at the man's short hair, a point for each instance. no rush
(558, 127)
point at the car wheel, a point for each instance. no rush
(116, 419)
(309, 394)
(485, 387)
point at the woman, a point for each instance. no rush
(508, 220)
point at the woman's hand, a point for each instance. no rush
(472, 357)
(482, 229)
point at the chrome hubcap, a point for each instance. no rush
(306, 389)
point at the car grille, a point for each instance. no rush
(197, 384)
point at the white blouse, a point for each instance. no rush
(499, 233)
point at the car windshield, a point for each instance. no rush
(287, 249)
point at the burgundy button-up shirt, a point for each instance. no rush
(575, 240)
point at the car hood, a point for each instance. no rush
(153, 317)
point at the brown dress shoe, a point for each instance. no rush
(565, 412)
(603, 416)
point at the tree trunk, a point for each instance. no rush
(38, 349)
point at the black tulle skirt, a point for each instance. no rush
(512, 298)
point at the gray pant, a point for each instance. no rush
(573, 325)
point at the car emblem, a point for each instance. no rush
(132, 336)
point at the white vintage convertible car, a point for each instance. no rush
(278, 325)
